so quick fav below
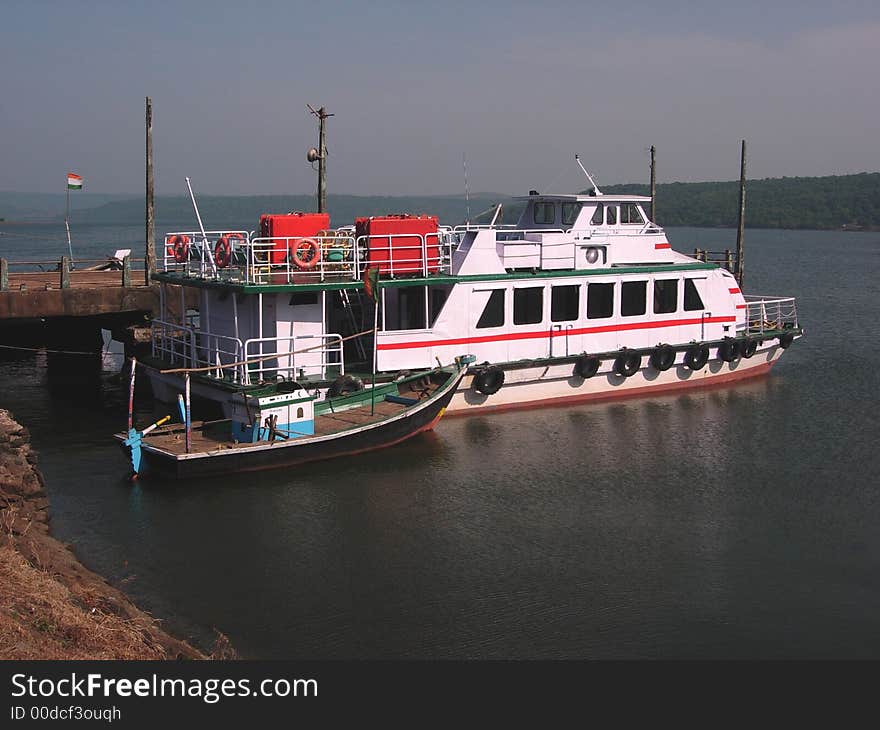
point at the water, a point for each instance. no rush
(736, 522)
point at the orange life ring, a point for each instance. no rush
(178, 246)
(305, 254)
(223, 249)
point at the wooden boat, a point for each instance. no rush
(291, 426)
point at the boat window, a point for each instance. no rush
(545, 213)
(665, 296)
(405, 308)
(493, 313)
(570, 213)
(303, 297)
(437, 296)
(598, 216)
(611, 215)
(633, 298)
(692, 299)
(564, 303)
(528, 305)
(630, 213)
(600, 301)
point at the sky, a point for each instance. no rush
(514, 88)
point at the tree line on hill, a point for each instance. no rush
(833, 202)
(849, 202)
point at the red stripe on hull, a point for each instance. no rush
(566, 400)
(552, 333)
(658, 246)
(734, 290)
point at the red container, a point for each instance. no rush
(291, 225)
(395, 242)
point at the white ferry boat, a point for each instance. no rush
(584, 298)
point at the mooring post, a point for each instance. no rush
(740, 231)
(126, 271)
(653, 187)
(65, 272)
(728, 260)
(4, 275)
(131, 394)
(150, 255)
(188, 425)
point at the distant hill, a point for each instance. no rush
(832, 202)
(50, 206)
(245, 211)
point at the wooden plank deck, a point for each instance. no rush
(216, 436)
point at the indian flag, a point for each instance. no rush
(74, 181)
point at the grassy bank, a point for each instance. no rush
(51, 606)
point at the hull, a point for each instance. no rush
(556, 385)
(300, 451)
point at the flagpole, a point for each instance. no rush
(67, 224)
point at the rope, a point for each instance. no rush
(259, 359)
(56, 352)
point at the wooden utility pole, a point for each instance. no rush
(321, 157)
(740, 231)
(653, 187)
(150, 254)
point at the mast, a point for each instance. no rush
(320, 156)
(149, 234)
(653, 187)
(740, 231)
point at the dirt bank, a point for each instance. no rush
(51, 606)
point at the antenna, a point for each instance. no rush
(596, 190)
(467, 198)
(319, 155)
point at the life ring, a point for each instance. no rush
(305, 254)
(749, 348)
(586, 366)
(729, 349)
(786, 340)
(696, 357)
(489, 380)
(223, 249)
(343, 385)
(627, 363)
(662, 358)
(178, 247)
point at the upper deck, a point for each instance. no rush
(554, 233)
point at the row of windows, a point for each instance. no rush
(629, 213)
(544, 213)
(528, 302)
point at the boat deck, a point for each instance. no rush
(215, 435)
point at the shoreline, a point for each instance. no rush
(51, 605)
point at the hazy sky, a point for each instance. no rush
(518, 87)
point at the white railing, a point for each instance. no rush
(327, 353)
(192, 254)
(182, 346)
(173, 342)
(338, 255)
(765, 314)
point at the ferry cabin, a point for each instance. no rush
(576, 275)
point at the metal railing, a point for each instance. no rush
(187, 347)
(770, 314)
(292, 364)
(332, 255)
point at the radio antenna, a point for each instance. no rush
(596, 190)
(467, 197)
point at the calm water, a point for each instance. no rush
(728, 523)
